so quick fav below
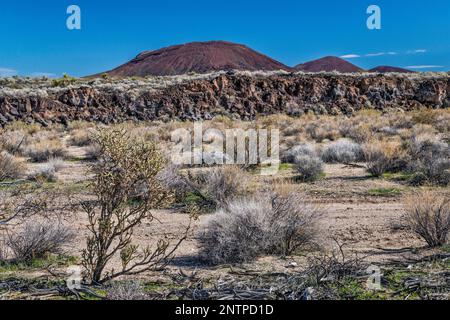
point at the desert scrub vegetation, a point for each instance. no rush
(263, 224)
(125, 189)
(298, 150)
(381, 157)
(428, 217)
(208, 188)
(309, 168)
(428, 159)
(38, 239)
(10, 167)
(342, 151)
(81, 137)
(47, 172)
(43, 150)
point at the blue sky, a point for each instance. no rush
(35, 40)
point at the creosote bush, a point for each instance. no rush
(428, 216)
(125, 189)
(266, 223)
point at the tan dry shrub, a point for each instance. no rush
(13, 141)
(80, 137)
(22, 126)
(363, 132)
(217, 186)
(428, 216)
(45, 149)
(10, 167)
(381, 156)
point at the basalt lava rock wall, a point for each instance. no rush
(235, 95)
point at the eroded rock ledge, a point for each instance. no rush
(241, 95)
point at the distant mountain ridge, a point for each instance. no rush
(204, 57)
(328, 64)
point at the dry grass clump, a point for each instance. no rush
(259, 225)
(322, 130)
(381, 156)
(29, 129)
(10, 167)
(80, 137)
(14, 141)
(36, 240)
(126, 291)
(361, 133)
(309, 167)
(428, 216)
(43, 150)
(343, 151)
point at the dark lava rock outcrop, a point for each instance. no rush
(241, 95)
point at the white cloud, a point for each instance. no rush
(379, 54)
(417, 51)
(375, 54)
(350, 56)
(6, 72)
(424, 67)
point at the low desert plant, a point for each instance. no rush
(262, 224)
(126, 188)
(44, 150)
(47, 172)
(80, 138)
(429, 158)
(298, 150)
(217, 186)
(428, 216)
(14, 141)
(343, 151)
(382, 157)
(10, 166)
(92, 151)
(126, 290)
(36, 240)
(309, 168)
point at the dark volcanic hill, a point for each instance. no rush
(328, 64)
(198, 57)
(386, 69)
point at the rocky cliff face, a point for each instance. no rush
(241, 95)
